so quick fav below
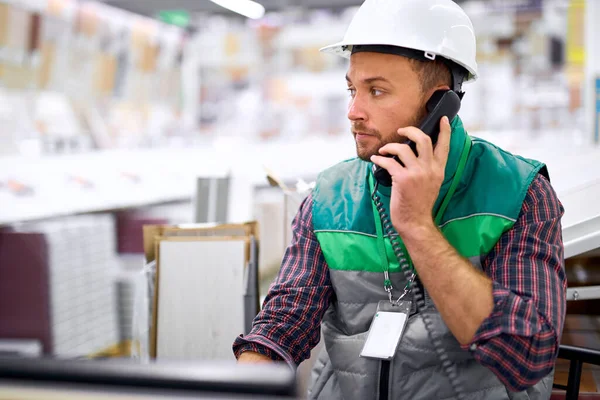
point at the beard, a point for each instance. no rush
(375, 142)
(364, 151)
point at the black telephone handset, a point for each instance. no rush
(442, 103)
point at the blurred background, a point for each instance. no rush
(117, 114)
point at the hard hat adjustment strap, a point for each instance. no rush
(458, 77)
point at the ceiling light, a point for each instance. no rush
(247, 8)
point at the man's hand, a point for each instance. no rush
(252, 357)
(416, 186)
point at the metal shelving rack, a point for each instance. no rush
(581, 230)
(581, 236)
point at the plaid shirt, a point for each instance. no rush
(518, 341)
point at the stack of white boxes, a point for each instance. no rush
(82, 263)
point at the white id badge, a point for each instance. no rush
(386, 330)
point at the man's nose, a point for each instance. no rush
(357, 110)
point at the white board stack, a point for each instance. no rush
(206, 290)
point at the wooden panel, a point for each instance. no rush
(582, 331)
(588, 383)
(150, 232)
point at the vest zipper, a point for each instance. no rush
(384, 380)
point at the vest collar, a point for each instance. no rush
(457, 143)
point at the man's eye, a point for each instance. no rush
(376, 92)
(351, 92)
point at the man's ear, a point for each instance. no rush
(426, 97)
(431, 91)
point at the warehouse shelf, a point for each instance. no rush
(115, 179)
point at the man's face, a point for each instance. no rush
(385, 95)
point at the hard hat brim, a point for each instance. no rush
(344, 49)
(339, 49)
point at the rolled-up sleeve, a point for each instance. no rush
(288, 326)
(519, 340)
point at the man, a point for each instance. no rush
(481, 228)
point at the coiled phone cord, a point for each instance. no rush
(448, 366)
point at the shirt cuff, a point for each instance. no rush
(512, 314)
(262, 345)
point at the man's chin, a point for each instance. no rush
(365, 151)
(365, 155)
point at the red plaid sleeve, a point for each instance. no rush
(288, 326)
(519, 340)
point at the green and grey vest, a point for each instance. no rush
(485, 204)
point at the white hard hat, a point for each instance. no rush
(434, 27)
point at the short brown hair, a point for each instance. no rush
(432, 73)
